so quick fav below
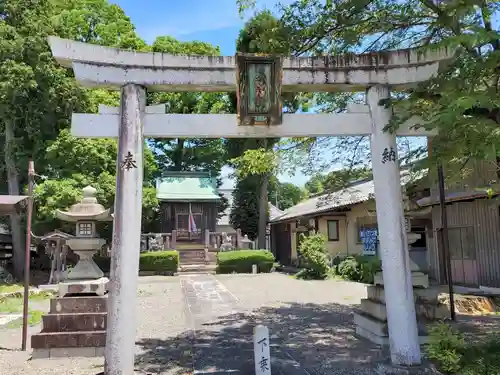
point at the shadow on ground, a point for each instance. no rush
(319, 337)
(478, 326)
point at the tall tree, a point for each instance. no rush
(190, 154)
(285, 194)
(263, 33)
(335, 180)
(462, 103)
(37, 96)
(74, 163)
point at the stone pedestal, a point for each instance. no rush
(371, 322)
(76, 323)
(418, 278)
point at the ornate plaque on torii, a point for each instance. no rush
(258, 89)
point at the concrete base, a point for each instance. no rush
(424, 309)
(377, 293)
(418, 279)
(67, 352)
(376, 331)
(89, 287)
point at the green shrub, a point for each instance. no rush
(313, 257)
(161, 261)
(445, 347)
(241, 261)
(452, 354)
(358, 268)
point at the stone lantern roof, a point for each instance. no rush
(87, 209)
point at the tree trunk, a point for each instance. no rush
(178, 155)
(263, 205)
(13, 186)
(263, 208)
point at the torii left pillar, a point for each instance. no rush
(121, 323)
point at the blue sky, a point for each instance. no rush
(216, 22)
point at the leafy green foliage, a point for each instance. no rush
(453, 353)
(446, 347)
(162, 261)
(241, 261)
(244, 213)
(37, 96)
(314, 259)
(285, 194)
(462, 102)
(74, 163)
(336, 180)
(358, 268)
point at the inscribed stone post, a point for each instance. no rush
(262, 351)
(120, 344)
(403, 333)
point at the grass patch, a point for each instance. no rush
(34, 318)
(14, 305)
(9, 305)
(9, 288)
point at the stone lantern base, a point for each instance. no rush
(76, 323)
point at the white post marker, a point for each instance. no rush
(262, 351)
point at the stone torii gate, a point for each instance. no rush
(134, 72)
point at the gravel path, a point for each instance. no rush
(204, 323)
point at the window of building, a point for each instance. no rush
(333, 230)
(85, 229)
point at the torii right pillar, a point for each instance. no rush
(401, 317)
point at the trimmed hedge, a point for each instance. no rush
(160, 261)
(241, 261)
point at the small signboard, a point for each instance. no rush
(369, 237)
(262, 351)
(258, 81)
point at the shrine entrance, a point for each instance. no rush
(259, 82)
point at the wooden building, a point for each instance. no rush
(182, 193)
(473, 217)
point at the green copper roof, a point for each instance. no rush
(186, 186)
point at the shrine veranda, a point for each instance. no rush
(135, 72)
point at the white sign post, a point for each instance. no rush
(262, 351)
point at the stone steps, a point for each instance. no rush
(197, 269)
(196, 256)
(74, 322)
(74, 326)
(49, 340)
(78, 305)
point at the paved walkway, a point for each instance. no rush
(216, 349)
(203, 324)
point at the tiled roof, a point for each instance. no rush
(186, 186)
(355, 193)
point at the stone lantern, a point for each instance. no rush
(86, 243)
(77, 321)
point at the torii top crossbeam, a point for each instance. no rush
(111, 68)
